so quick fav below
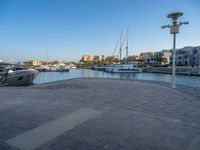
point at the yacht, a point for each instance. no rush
(12, 75)
(62, 68)
(123, 68)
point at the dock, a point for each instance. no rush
(100, 114)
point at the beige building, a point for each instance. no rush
(152, 60)
(99, 58)
(33, 63)
(102, 57)
(87, 58)
(146, 55)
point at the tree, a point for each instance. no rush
(165, 60)
(159, 60)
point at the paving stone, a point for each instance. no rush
(135, 114)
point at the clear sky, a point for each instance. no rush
(72, 28)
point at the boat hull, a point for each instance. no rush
(125, 68)
(126, 71)
(20, 78)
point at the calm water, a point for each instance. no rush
(45, 77)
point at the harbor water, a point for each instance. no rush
(46, 77)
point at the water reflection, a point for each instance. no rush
(45, 77)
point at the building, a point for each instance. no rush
(33, 63)
(159, 58)
(196, 56)
(87, 58)
(145, 56)
(187, 56)
(1, 60)
(99, 58)
(96, 58)
(102, 57)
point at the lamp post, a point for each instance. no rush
(174, 29)
(199, 60)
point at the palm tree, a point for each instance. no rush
(159, 60)
(165, 60)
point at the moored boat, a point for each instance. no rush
(16, 76)
(124, 68)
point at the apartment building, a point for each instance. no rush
(187, 56)
(163, 55)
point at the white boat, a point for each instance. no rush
(62, 68)
(124, 68)
(42, 68)
(16, 77)
(73, 67)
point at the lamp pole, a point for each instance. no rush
(174, 29)
(199, 60)
(174, 62)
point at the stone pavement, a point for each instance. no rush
(105, 114)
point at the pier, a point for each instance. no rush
(101, 114)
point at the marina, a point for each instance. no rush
(183, 80)
(99, 75)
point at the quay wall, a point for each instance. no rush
(179, 70)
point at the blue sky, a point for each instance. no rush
(72, 28)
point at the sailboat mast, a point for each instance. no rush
(120, 50)
(127, 46)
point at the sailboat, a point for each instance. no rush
(123, 68)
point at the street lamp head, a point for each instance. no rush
(175, 15)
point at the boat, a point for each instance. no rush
(123, 68)
(98, 68)
(62, 68)
(12, 75)
(42, 68)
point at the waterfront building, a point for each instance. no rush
(160, 57)
(33, 63)
(87, 58)
(134, 59)
(102, 57)
(187, 56)
(96, 58)
(99, 58)
(145, 56)
(1, 60)
(196, 56)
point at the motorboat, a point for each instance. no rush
(62, 68)
(17, 75)
(42, 68)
